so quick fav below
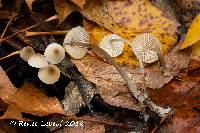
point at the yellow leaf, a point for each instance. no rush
(130, 18)
(193, 34)
(196, 49)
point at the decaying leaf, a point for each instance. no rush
(192, 35)
(80, 3)
(63, 9)
(111, 85)
(177, 60)
(28, 99)
(184, 120)
(88, 128)
(73, 100)
(129, 18)
(29, 3)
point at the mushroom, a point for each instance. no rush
(54, 53)
(77, 34)
(26, 53)
(145, 47)
(49, 74)
(113, 48)
(37, 61)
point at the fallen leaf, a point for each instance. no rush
(184, 120)
(29, 3)
(63, 9)
(80, 3)
(28, 99)
(192, 35)
(130, 18)
(110, 83)
(196, 49)
(73, 100)
(88, 128)
(194, 63)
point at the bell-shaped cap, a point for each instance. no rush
(54, 53)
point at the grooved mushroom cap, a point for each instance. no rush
(54, 53)
(115, 48)
(77, 34)
(26, 53)
(37, 61)
(49, 74)
(144, 46)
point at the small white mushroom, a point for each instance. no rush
(37, 61)
(145, 47)
(54, 53)
(77, 34)
(26, 53)
(113, 48)
(49, 74)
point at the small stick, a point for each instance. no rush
(29, 33)
(47, 20)
(7, 25)
(10, 55)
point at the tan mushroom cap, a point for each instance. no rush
(115, 48)
(26, 53)
(37, 61)
(77, 34)
(54, 53)
(144, 46)
(49, 74)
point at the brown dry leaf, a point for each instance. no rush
(29, 3)
(183, 121)
(28, 99)
(88, 128)
(80, 3)
(194, 63)
(63, 9)
(177, 60)
(110, 83)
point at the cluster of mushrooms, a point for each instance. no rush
(145, 47)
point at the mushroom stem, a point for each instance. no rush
(141, 96)
(140, 61)
(10, 55)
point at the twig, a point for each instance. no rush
(6, 28)
(10, 55)
(47, 20)
(29, 33)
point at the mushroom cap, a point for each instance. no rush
(54, 53)
(49, 74)
(26, 53)
(115, 48)
(144, 47)
(37, 61)
(77, 34)
(76, 52)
